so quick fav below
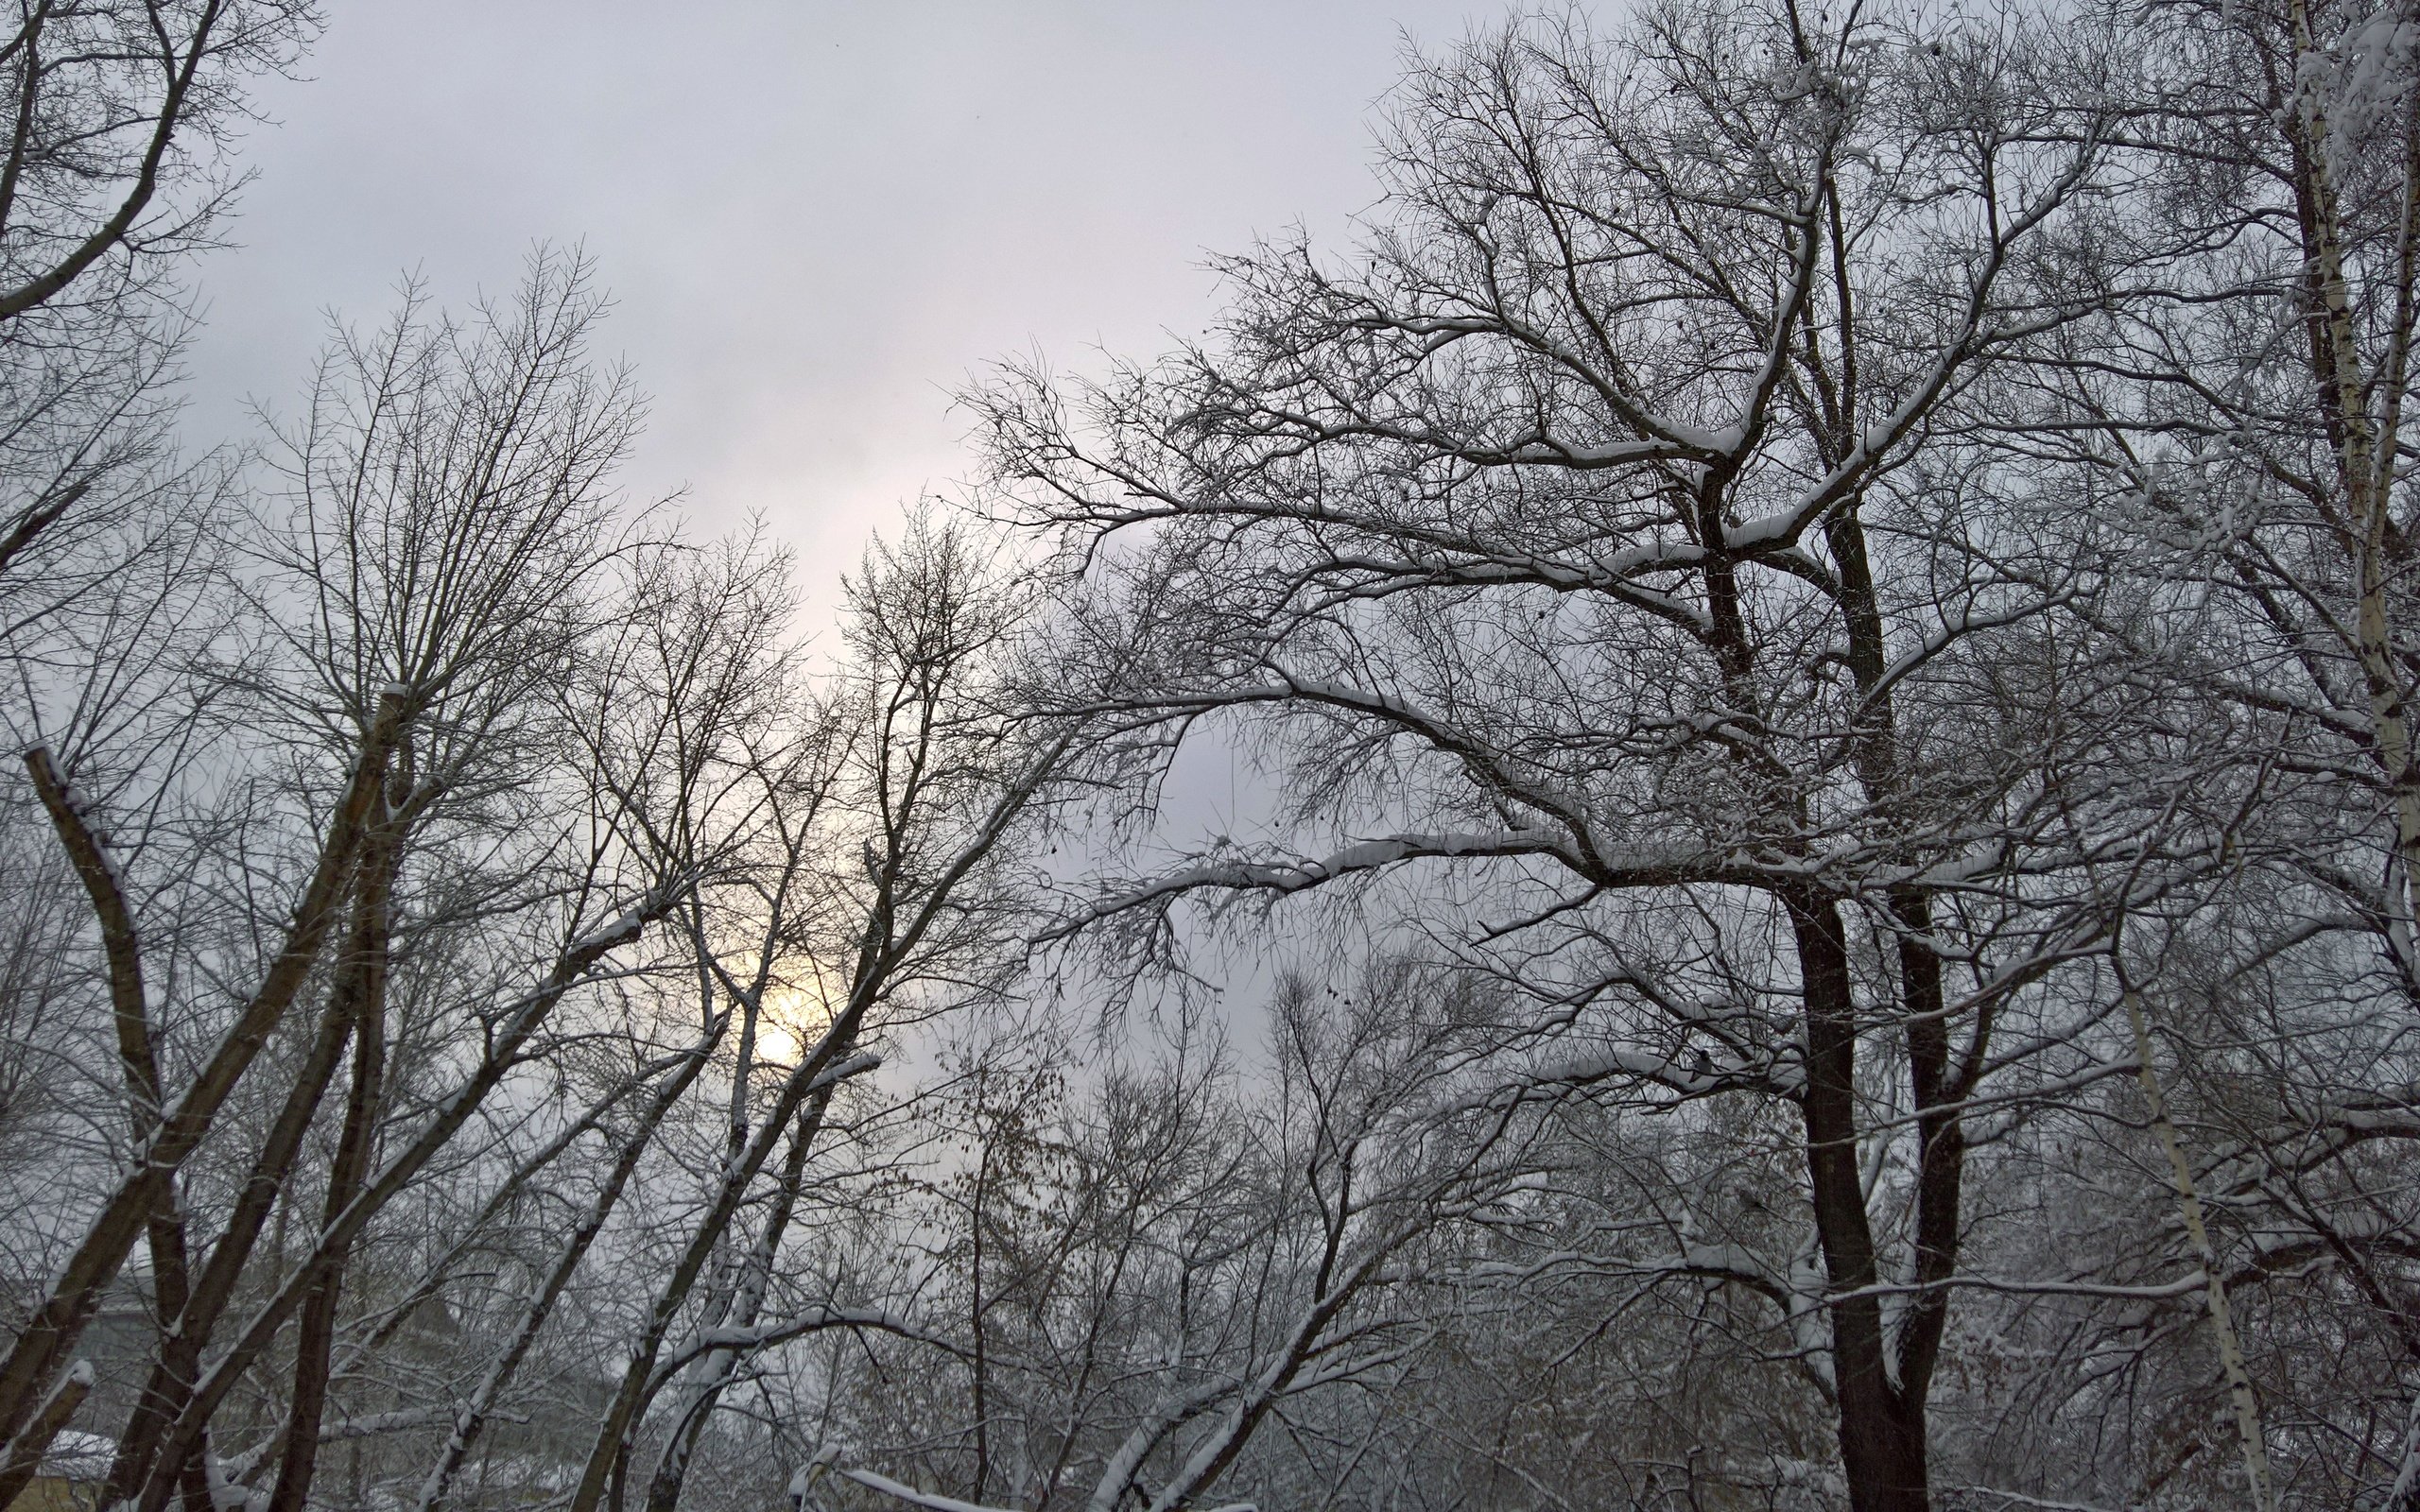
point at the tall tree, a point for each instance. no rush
(1616, 552)
(2240, 405)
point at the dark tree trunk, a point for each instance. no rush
(364, 983)
(1881, 1427)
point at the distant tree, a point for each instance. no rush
(1151, 1282)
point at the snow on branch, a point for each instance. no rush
(1286, 877)
(900, 1491)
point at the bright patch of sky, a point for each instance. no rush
(817, 219)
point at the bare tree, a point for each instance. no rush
(447, 553)
(1161, 1276)
(2240, 404)
(117, 170)
(1617, 553)
(117, 108)
(1817, 622)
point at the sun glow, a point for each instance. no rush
(792, 1021)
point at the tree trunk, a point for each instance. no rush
(1881, 1429)
(365, 987)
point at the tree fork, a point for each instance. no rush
(1881, 1432)
(72, 1299)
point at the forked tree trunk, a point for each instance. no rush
(35, 1356)
(1881, 1425)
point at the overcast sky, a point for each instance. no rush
(816, 216)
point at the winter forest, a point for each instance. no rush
(1816, 616)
